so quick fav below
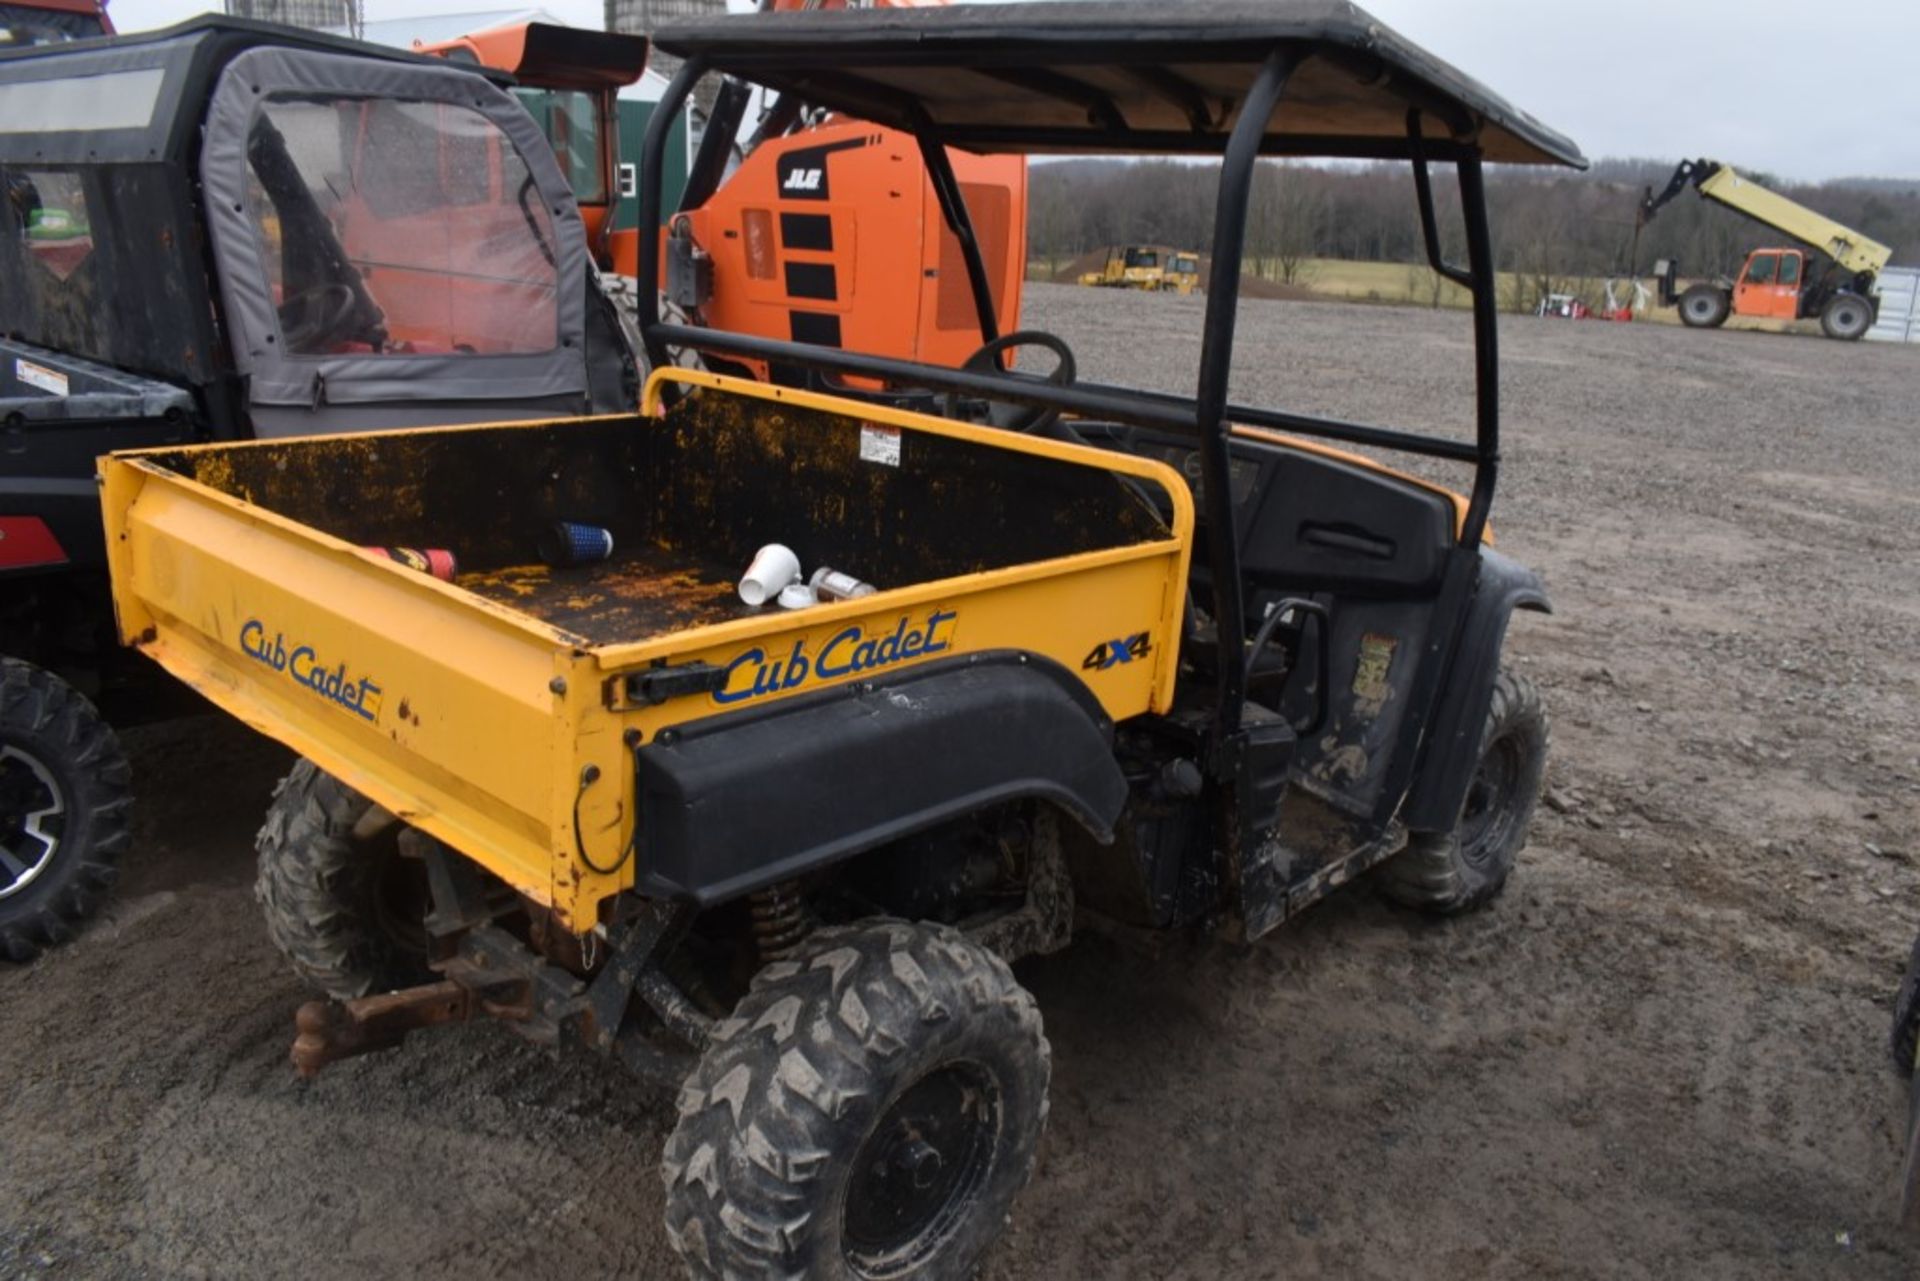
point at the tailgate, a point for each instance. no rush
(431, 701)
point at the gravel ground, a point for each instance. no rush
(1660, 1054)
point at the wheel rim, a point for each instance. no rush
(33, 819)
(920, 1169)
(1490, 807)
(1847, 317)
(1700, 308)
(399, 897)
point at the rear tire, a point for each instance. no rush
(341, 903)
(1705, 307)
(1448, 872)
(65, 797)
(871, 1109)
(1846, 317)
(1906, 1016)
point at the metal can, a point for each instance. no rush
(435, 561)
(832, 584)
(567, 542)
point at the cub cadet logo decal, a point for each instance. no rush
(303, 665)
(802, 180)
(847, 653)
(1115, 652)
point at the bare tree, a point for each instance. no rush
(1286, 220)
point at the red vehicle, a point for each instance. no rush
(37, 22)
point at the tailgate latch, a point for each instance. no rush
(662, 682)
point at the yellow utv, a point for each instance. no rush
(1025, 651)
(1154, 268)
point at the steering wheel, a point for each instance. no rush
(314, 314)
(1028, 419)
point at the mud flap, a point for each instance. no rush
(1264, 757)
(1451, 752)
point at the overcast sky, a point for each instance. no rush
(1811, 91)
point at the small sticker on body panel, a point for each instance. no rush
(1370, 686)
(879, 444)
(40, 377)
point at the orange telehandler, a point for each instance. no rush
(1833, 275)
(817, 228)
(578, 75)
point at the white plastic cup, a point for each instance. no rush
(774, 569)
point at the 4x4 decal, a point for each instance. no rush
(1115, 652)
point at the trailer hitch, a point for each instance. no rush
(328, 1031)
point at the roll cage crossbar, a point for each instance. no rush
(1208, 415)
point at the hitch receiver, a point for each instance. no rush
(328, 1031)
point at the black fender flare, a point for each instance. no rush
(1452, 748)
(737, 801)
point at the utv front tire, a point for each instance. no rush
(870, 1110)
(1705, 307)
(341, 903)
(65, 794)
(1448, 872)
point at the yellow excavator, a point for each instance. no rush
(1154, 268)
(1835, 277)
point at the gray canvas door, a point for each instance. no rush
(395, 243)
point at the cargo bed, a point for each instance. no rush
(501, 711)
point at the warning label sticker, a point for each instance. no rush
(39, 376)
(880, 444)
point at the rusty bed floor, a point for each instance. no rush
(635, 596)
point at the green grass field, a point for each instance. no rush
(1402, 284)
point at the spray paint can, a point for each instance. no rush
(437, 562)
(832, 584)
(567, 542)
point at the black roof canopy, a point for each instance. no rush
(212, 26)
(141, 98)
(1123, 75)
(1235, 78)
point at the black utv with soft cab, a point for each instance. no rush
(231, 229)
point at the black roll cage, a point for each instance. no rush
(1208, 416)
